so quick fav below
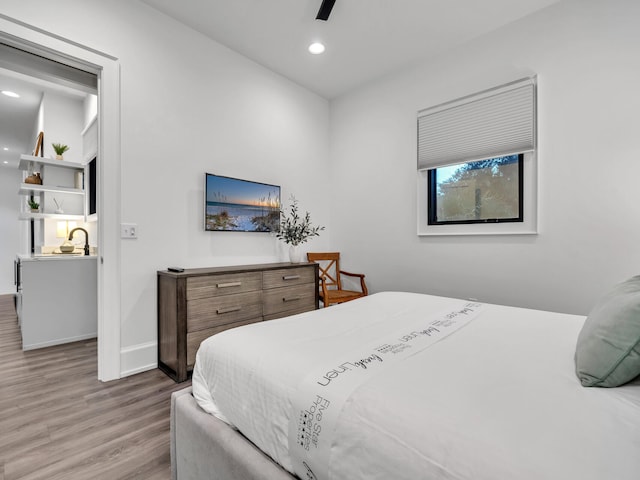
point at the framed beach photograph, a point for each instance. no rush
(236, 205)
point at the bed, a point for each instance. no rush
(412, 386)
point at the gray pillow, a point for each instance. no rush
(608, 349)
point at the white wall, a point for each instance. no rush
(190, 106)
(585, 54)
(90, 109)
(63, 116)
(39, 125)
(63, 122)
(10, 178)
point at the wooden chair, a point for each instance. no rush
(331, 290)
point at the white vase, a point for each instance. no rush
(295, 254)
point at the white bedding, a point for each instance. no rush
(497, 399)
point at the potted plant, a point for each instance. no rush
(33, 205)
(59, 148)
(295, 230)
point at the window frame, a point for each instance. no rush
(432, 196)
(529, 225)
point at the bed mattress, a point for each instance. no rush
(495, 398)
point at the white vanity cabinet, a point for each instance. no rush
(58, 299)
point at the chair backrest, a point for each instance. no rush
(329, 267)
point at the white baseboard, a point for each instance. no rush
(59, 341)
(138, 358)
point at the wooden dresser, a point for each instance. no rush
(200, 302)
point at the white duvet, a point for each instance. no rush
(497, 399)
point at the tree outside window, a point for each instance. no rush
(483, 191)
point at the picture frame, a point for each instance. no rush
(238, 205)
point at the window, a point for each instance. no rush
(477, 163)
(476, 192)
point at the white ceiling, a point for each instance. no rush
(365, 39)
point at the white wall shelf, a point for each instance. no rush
(59, 181)
(29, 162)
(33, 189)
(57, 216)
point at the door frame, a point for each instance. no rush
(107, 68)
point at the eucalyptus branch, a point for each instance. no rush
(295, 230)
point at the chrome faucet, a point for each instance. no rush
(86, 238)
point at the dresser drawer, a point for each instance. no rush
(287, 277)
(278, 300)
(194, 339)
(287, 313)
(224, 284)
(214, 311)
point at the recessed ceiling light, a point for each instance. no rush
(5, 162)
(316, 48)
(6, 148)
(10, 94)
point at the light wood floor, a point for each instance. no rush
(57, 421)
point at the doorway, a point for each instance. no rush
(106, 70)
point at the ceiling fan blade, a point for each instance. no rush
(325, 10)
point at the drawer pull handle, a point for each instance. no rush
(291, 299)
(291, 277)
(228, 310)
(230, 284)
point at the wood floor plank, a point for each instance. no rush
(57, 421)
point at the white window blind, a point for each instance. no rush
(493, 123)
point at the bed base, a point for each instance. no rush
(204, 447)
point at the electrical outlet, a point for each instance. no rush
(128, 230)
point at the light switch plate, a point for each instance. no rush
(128, 230)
